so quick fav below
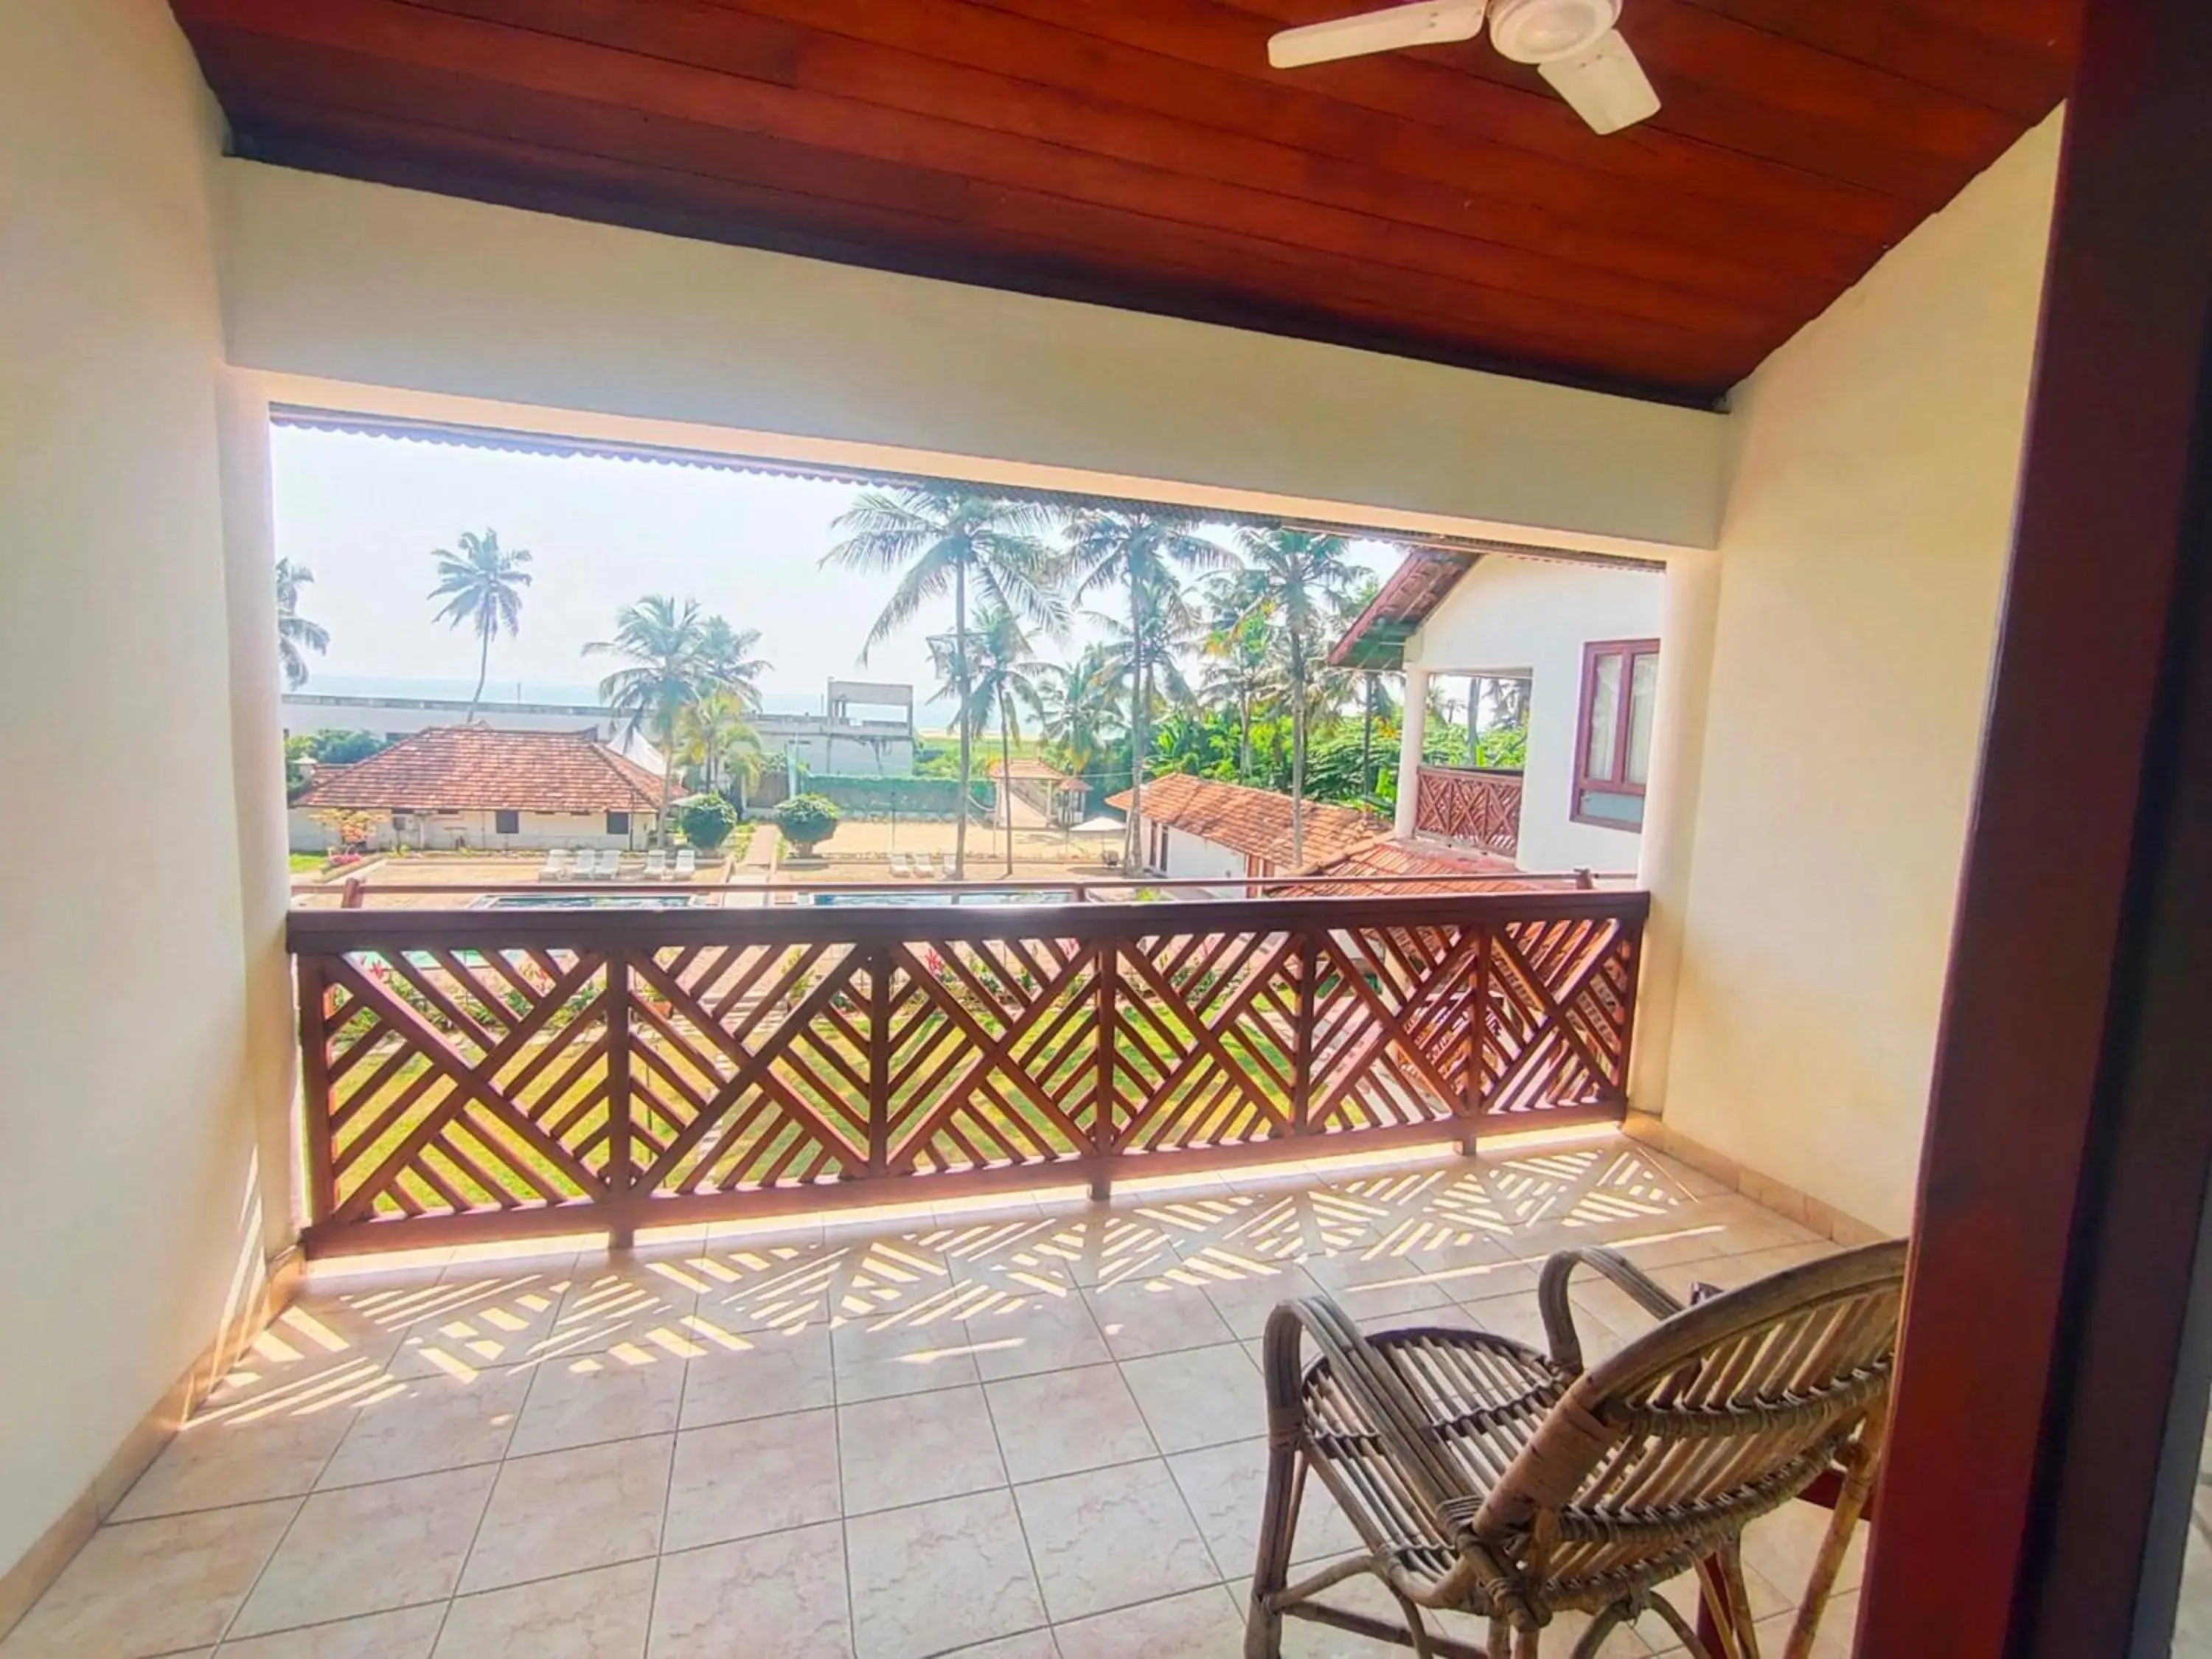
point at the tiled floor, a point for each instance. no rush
(1012, 1433)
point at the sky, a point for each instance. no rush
(364, 513)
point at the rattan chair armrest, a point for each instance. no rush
(1558, 1313)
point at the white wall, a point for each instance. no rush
(368, 284)
(1861, 560)
(128, 1212)
(1194, 858)
(535, 832)
(1533, 617)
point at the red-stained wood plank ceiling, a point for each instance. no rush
(1440, 204)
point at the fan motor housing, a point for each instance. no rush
(1546, 31)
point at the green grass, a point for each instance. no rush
(829, 1095)
(308, 864)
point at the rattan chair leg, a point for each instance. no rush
(1859, 1461)
(1501, 1639)
(1599, 1628)
(1730, 1557)
(1683, 1628)
(1263, 1631)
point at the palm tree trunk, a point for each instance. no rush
(1007, 775)
(483, 667)
(1297, 750)
(960, 646)
(1243, 737)
(1139, 707)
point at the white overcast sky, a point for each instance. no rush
(364, 513)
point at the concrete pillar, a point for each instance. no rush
(257, 751)
(1670, 810)
(1409, 749)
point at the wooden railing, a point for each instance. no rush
(491, 1073)
(1463, 804)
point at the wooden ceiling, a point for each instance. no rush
(1441, 203)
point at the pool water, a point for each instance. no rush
(585, 901)
(945, 897)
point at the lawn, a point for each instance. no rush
(308, 864)
(557, 1089)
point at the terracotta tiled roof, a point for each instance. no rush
(1253, 821)
(462, 768)
(1376, 638)
(1383, 858)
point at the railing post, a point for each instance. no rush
(1302, 1036)
(879, 1059)
(622, 1172)
(1101, 1097)
(1478, 1040)
(315, 1086)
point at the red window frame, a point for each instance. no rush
(1616, 783)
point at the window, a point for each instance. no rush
(1620, 689)
(618, 824)
(506, 824)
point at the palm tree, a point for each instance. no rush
(668, 674)
(1297, 575)
(1144, 553)
(1240, 672)
(482, 585)
(295, 635)
(939, 539)
(713, 734)
(727, 653)
(1001, 679)
(1077, 699)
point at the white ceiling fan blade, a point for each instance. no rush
(1431, 22)
(1604, 84)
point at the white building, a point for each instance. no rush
(836, 741)
(1584, 635)
(448, 787)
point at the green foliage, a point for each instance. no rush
(344, 748)
(864, 796)
(325, 748)
(706, 821)
(807, 821)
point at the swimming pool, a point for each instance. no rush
(587, 902)
(946, 896)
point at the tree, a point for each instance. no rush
(1297, 575)
(295, 635)
(1077, 702)
(482, 585)
(668, 673)
(1145, 554)
(940, 539)
(706, 821)
(727, 653)
(713, 734)
(807, 821)
(1001, 679)
(1240, 670)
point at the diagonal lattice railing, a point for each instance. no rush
(491, 1073)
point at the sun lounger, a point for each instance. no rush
(902, 868)
(556, 865)
(925, 866)
(656, 865)
(687, 864)
(610, 864)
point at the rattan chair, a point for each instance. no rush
(1485, 1477)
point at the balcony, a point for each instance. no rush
(1019, 1425)
(482, 1075)
(1475, 806)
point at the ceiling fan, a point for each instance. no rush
(1572, 43)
